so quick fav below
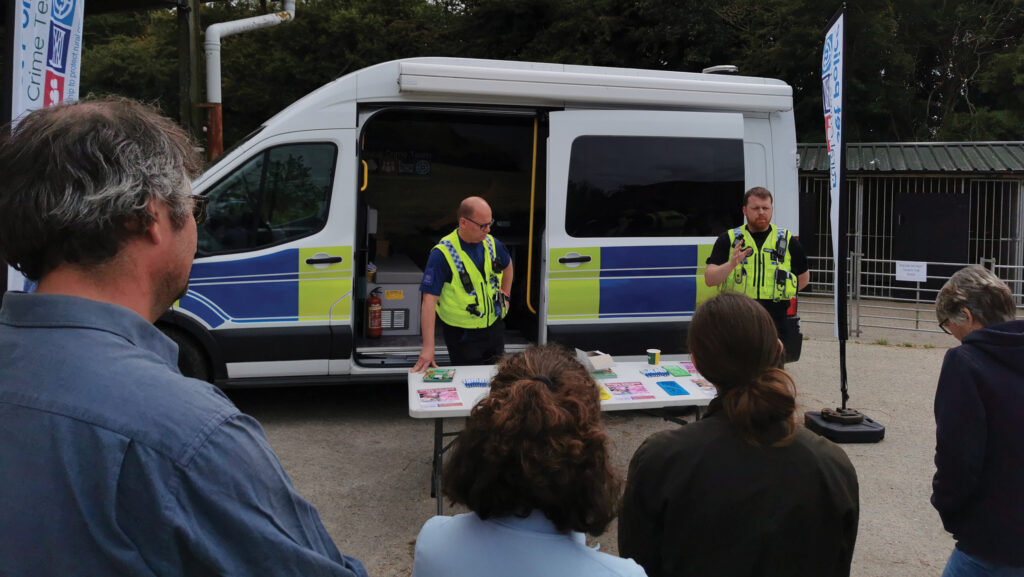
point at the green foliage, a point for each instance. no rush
(917, 70)
(132, 55)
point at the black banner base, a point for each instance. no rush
(866, 431)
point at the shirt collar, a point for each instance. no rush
(536, 522)
(62, 311)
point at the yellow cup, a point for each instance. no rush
(653, 356)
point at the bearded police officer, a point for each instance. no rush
(760, 260)
(466, 283)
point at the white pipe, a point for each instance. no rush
(217, 31)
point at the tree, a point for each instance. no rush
(916, 69)
(132, 54)
(266, 70)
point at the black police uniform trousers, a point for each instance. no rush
(474, 346)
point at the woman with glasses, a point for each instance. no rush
(744, 491)
(978, 487)
(532, 466)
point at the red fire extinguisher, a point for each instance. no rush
(373, 307)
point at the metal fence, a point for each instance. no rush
(914, 310)
(994, 223)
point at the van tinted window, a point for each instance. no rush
(630, 186)
(280, 195)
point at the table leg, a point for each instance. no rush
(435, 472)
(437, 463)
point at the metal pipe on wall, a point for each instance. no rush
(214, 33)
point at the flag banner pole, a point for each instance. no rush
(842, 425)
(46, 62)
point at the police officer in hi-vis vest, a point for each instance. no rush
(760, 260)
(466, 283)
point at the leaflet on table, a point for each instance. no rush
(705, 386)
(436, 398)
(629, 391)
(673, 388)
(439, 375)
(677, 371)
(689, 367)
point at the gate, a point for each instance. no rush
(945, 222)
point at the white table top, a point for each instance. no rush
(433, 400)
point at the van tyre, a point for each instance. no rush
(192, 361)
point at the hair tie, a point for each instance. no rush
(544, 380)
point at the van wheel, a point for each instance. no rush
(192, 361)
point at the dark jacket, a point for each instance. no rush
(701, 501)
(979, 455)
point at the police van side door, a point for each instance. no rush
(635, 202)
(272, 279)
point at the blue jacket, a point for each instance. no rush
(978, 487)
(112, 463)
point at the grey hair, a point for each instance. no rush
(976, 289)
(79, 177)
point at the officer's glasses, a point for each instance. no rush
(199, 203)
(484, 226)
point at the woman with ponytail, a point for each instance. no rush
(532, 466)
(744, 491)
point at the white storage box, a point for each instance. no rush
(595, 360)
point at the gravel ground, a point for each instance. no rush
(355, 453)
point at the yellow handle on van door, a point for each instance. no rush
(366, 175)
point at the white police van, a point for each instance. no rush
(609, 186)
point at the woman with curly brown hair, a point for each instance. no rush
(743, 491)
(532, 465)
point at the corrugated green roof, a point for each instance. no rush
(920, 157)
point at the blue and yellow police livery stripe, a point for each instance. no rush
(627, 282)
(278, 287)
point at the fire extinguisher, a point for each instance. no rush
(373, 307)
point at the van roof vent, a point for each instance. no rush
(721, 69)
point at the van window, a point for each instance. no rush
(281, 195)
(645, 186)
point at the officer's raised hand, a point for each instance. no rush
(739, 252)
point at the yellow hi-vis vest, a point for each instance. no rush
(757, 275)
(472, 306)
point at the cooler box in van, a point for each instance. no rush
(399, 282)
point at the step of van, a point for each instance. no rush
(404, 351)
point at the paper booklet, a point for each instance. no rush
(673, 388)
(435, 398)
(629, 391)
(439, 375)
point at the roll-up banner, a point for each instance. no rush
(832, 85)
(47, 61)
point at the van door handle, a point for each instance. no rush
(323, 260)
(574, 259)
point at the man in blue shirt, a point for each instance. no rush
(466, 283)
(112, 462)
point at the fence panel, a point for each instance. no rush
(995, 226)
